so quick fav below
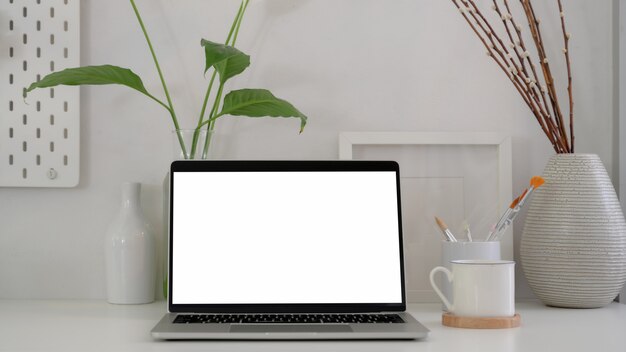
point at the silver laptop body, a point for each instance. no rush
(286, 250)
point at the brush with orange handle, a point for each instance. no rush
(535, 183)
(501, 222)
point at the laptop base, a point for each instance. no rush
(409, 330)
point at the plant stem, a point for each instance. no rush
(209, 88)
(196, 133)
(211, 124)
(239, 22)
(208, 92)
(234, 27)
(158, 67)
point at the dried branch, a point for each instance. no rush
(491, 48)
(566, 38)
(533, 24)
(515, 61)
(521, 44)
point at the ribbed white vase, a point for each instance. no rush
(573, 248)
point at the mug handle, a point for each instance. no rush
(448, 273)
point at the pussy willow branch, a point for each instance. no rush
(511, 70)
(491, 48)
(519, 46)
(495, 46)
(522, 82)
(537, 86)
(566, 38)
(524, 56)
(522, 45)
(535, 31)
(514, 63)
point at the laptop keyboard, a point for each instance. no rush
(287, 319)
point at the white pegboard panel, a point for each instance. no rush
(39, 135)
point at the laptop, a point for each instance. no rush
(286, 250)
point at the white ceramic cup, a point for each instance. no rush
(463, 250)
(480, 288)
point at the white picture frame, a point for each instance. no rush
(451, 187)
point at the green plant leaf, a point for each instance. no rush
(97, 75)
(227, 60)
(259, 103)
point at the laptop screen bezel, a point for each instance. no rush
(283, 166)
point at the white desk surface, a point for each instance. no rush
(99, 326)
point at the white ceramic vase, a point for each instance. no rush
(573, 248)
(130, 253)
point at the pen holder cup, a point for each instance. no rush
(462, 250)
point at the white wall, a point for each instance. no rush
(351, 65)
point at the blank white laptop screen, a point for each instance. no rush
(285, 237)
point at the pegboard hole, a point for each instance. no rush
(10, 105)
(52, 39)
(38, 106)
(24, 119)
(65, 160)
(66, 26)
(24, 173)
(25, 38)
(25, 65)
(11, 25)
(38, 133)
(38, 77)
(52, 120)
(11, 51)
(51, 65)
(24, 92)
(38, 159)
(38, 52)
(65, 106)
(25, 11)
(10, 159)
(65, 52)
(38, 25)
(11, 78)
(24, 146)
(52, 146)
(52, 93)
(11, 132)
(52, 12)
(65, 133)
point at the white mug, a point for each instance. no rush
(463, 250)
(480, 288)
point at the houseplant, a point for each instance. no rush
(225, 62)
(573, 248)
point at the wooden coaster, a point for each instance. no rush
(448, 319)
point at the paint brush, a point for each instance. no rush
(535, 183)
(502, 220)
(468, 232)
(446, 231)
